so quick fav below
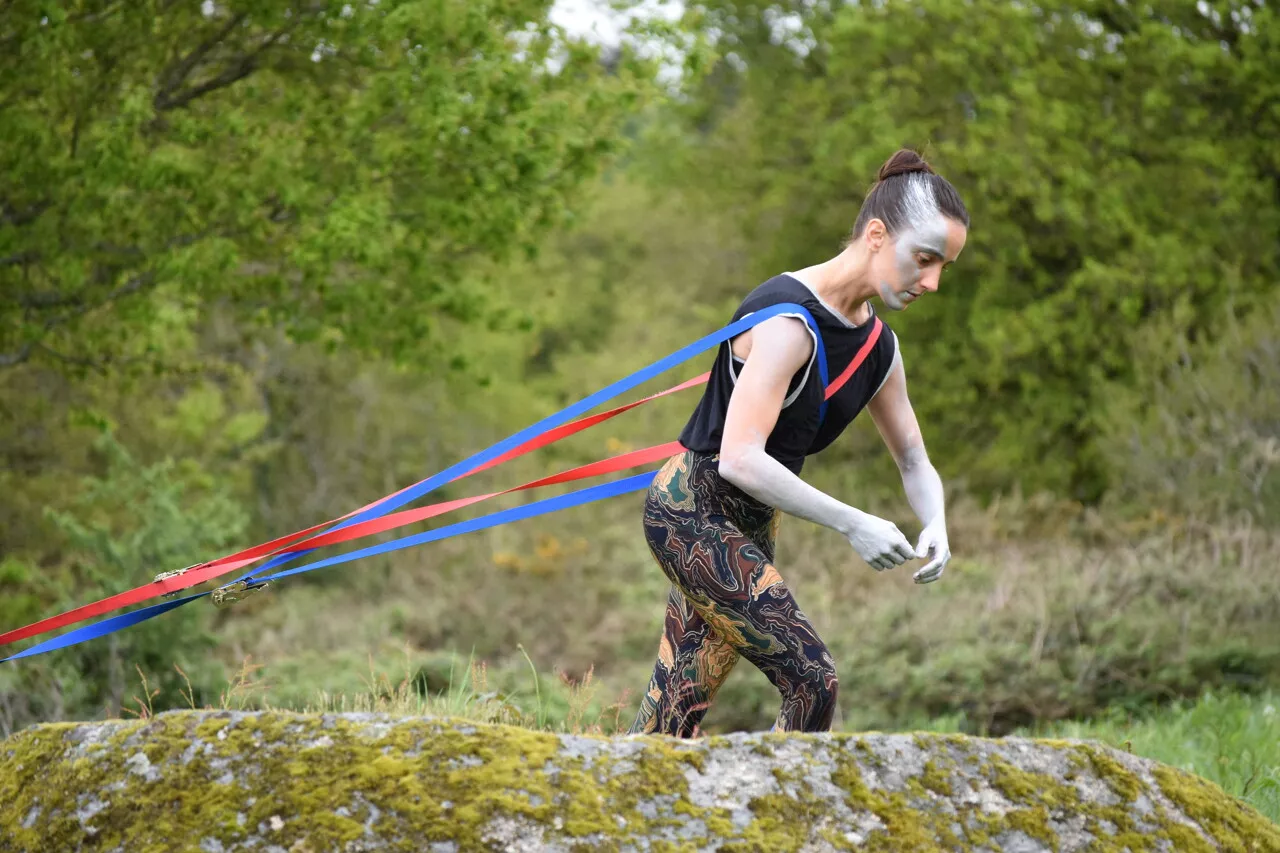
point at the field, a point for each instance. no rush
(258, 270)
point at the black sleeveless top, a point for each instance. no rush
(798, 433)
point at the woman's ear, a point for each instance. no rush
(875, 234)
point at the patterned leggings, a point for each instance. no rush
(715, 543)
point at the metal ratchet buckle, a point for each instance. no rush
(227, 595)
(174, 574)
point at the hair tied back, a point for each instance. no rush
(896, 202)
(904, 161)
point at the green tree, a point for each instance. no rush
(1201, 435)
(132, 520)
(1116, 164)
(327, 167)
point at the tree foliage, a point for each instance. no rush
(327, 167)
(1113, 161)
(132, 520)
(284, 198)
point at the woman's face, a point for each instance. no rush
(910, 265)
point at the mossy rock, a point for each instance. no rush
(290, 783)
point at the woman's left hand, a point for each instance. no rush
(933, 544)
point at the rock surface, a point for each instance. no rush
(291, 783)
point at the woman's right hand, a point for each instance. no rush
(879, 542)
(780, 347)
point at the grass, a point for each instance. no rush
(565, 705)
(1040, 616)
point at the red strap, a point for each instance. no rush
(249, 555)
(293, 541)
(568, 429)
(620, 462)
(861, 356)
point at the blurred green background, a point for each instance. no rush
(263, 263)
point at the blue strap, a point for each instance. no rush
(582, 496)
(581, 407)
(820, 351)
(106, 626)
(635, 483)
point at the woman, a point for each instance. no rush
(712, 513)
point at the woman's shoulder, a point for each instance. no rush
(776, 290)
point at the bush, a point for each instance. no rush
(1030, 634)
(121, 530)
(1202, 435)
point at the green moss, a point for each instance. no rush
(1026, 787)
(694, 758)
(720, 823)
(443, 781)
(224, 777)
(1043, 795)
(936, 779)
(868, 753)
(907, 827)
(784, 776)
(975, 831)
(848, 777)
(781, 823)
(1134, 841)
(154, 812)
(1187, 840)
(1126, 785)
(1235, 826)
(1034, 823)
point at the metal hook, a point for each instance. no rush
(173, 574)
(227, 595)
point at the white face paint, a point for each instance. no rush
(925, 230)
(929, 237)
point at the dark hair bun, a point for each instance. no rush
(903, 162)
